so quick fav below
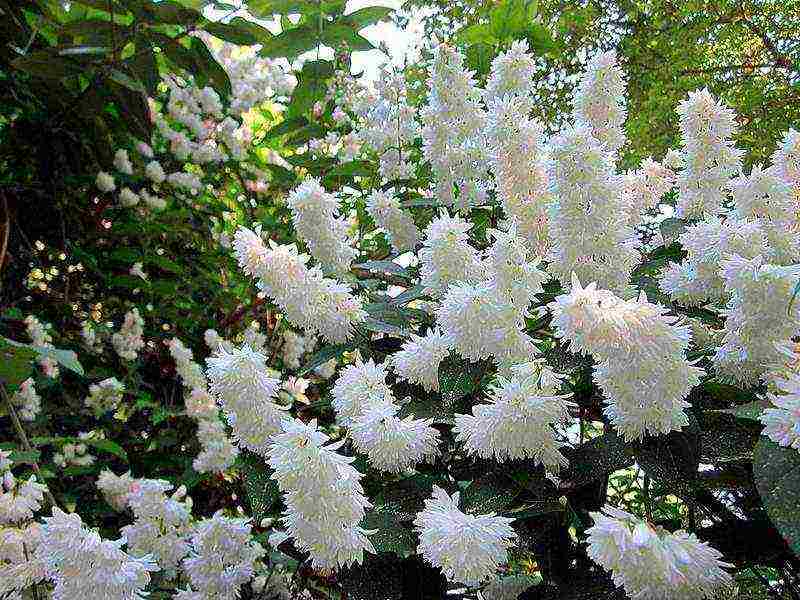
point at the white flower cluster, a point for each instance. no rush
(27, 401)
(520, 420)
(708, 155)
(317, 304)
(467, 548)
(385, 210)
(782, 420)
(294, 346)
(76, 454)
(447, 256)
(318, 224)
(653, 564)
(389, 127)
(365, 403)
(19, 500)
(242, 385)
(511, 73)
(419, 359)
(588, 221)
(323, 495)
(128, 340)
(217, 453)
(105, 396)
(161, 523)
(19, 569)
(642, 369)
(83, 565)
(453, 122)
(222, 556)
(644, 187)
(39, 333)
(786, 159)
(115, 488)
(758, 319)
(599, 100)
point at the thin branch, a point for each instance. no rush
(6, 231)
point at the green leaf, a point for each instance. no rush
(143, 64)
(413, 293)
(291, 43)
(671, 229)
(167, 11)
(267, 8)
(511, 18)
(47, 65)
(364, 17)
(16, 362)
(475, 34)
(262, 491)
(792, 299)
(239, 31)
(108, 446)
(324, 355)
(776, 471)
(372, 324)
(127, 81)
(210, 71)
(595, 459)
(391, 535)
(66, 358)
(751, 410)
(25, 457)
(384, 266)
(311, 86)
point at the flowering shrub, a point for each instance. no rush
(405, 342)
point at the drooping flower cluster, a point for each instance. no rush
(315, 303)
(453, 122)
(653, 564)
(81, 564)
(447, 256)
(222, 555)
(239, 380)
(758, 317)
(366, 405)
(419, 359)
(294, 346)
(640, 350)
(599, 100)
(161, 523)
(324, 499)
(27, 401)
(315, 214)
(708, 155)
(782, 420)
(105, 396)
(19, 499)
(511, 73)
(385, 210)
(519, 421)
(39, 333)
(643, 188)
(128, 340)
(76, 454)
(467, 548)
(115, 488)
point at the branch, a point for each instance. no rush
(6, 232)
(780, 60)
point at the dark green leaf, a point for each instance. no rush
(364, 17)
(16, 362)
(324, 355)
(262, 491)
(240, 31)
(384, 266)
(311, 86)
(391, 535)
(291, 43)
(776, 471)
(48, 65)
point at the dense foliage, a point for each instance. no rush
(548, 365)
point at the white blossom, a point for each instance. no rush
(387, 214)
(27, 401)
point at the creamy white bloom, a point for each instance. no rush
(19, 499)
(385, 210)
(137, 270)
(122, 162)
(758, 318)
(640, 352)
(418, 361)
(39, 333)
(324, 499)
(105, 182)
(315, 214)
(27, 401)
(467, 548)
(315, 303)
(83, 565)
(643, 188)
(708, 155)
(155, 172)
(519, 422)
(357, 387)
(652, 564)
(222, 557)
(512, 73)
(128, 340)
(105, 396)
(241, 383)
(599, 100)
(217, 453)
(786, 158)
(782, 420)
(115, 488)
(446, 255)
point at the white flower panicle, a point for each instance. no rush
(315, 214)
(39, 333)
(509, 271)
(323, 495)
(708, 154)
(419, 359)
(217, 452)
(515, 145)
(588, 221)
(122, 162)
(520, 420)
(642, 369)
(782, 420)
(643, 188)
(19, 499)
(357, 387)
(27, 401)
(453, 122)
(222, 556)
(786, 159)
(315, 303)
(83, 565)
(105, 182)
(512, 73)
(385, 210)
(241, 383)
(698, 279)
(115, 488)
(128, 340)
(758, 319)
(161, 523)
(446, 255)
(105, 396)
(599, 100)
(467, 548)
(652, 564)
